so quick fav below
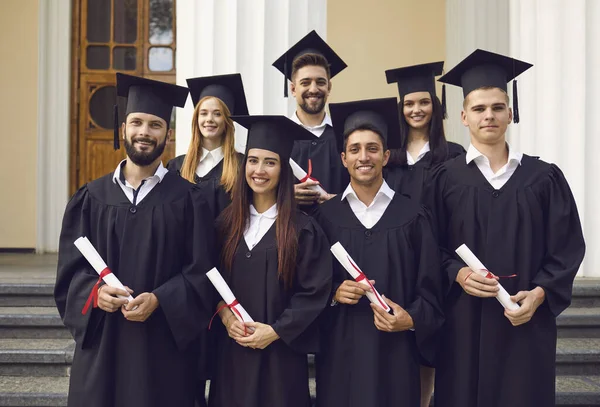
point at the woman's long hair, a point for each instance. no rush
(236, 216)
(230, 161)
(437, 139)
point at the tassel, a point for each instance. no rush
(515, 103)
(444, 109)
(116, 129)
(285, 75)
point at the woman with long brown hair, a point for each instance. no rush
(211, 159)
(276, 260)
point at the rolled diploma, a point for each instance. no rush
(91, 255)
(217, 280)
(477, 266)
(344, 258)
(300, 174)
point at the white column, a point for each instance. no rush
(558, 99)
(53, 120)
(217, 37)
(471, 24)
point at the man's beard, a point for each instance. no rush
(318, 108)
(143, 158)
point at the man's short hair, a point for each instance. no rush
(310, 60)
(365, 126)
(486, 88)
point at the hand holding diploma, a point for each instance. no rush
(386, 322)
(262, 336)
(229, 301)
(479, 281)
(110, 299)
(308, 191)
(530, 301)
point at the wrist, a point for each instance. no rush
(540, 294)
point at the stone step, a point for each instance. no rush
(577, 322)
(36, 357)
(578, 356)
(586, 293)
(31, 322)
(26, 295)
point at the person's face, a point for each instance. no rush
(263, 168)
(487, 115)
(311, 88)
(145, 137)
(365, 157)
(418, 109)
(211, 120)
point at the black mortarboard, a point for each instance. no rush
(310, 44)
(273, 133)
(379, 113)
(228, 88)
(483, 69)
(147, 96)
(417, 78)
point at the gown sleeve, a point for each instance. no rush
(426, 309)
(565, 245)
(312, 288)
(186, 298)
(75, 278)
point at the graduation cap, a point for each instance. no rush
(482, 69)
(417, 78)
(228, 88)
(381, 114)
(273, 133)
(310, 44)
(147, 96)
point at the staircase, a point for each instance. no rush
(36, 350)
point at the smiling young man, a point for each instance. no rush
(370, 357)
(309, 65)
(518, 216)
(155, 234)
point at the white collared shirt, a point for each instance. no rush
(369, 215)
(424, 150)
(258, 225)
(317, 130)
(135, 196)
(209, 160)
(501, 177)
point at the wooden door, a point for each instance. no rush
(136, 37)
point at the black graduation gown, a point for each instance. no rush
(360, 365)
(529, 227)
(277, 375)
(327, 165)
(210, 184)
(161, 245)
(410, 179)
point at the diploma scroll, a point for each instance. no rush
(477, 266)
(350, 265)
(217, 280)
(93, 257)
(302, 175)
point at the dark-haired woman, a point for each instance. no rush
(423, 142)
(276, 261)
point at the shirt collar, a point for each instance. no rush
(383, 190)
(424, 150)
(161, 171)
(270, 213)
(326, 121)
(217, 153)
(513, 155)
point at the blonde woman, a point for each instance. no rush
(211, 160)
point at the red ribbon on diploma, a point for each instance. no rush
(362, 277)
(233, 309)
(491, 275)
(93, 297)
(309, 173)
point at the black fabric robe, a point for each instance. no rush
(278, 374)
(161, 245)
(327, 165)
(210, 184)
(360, 365)
(410, 179)
(529, 227)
